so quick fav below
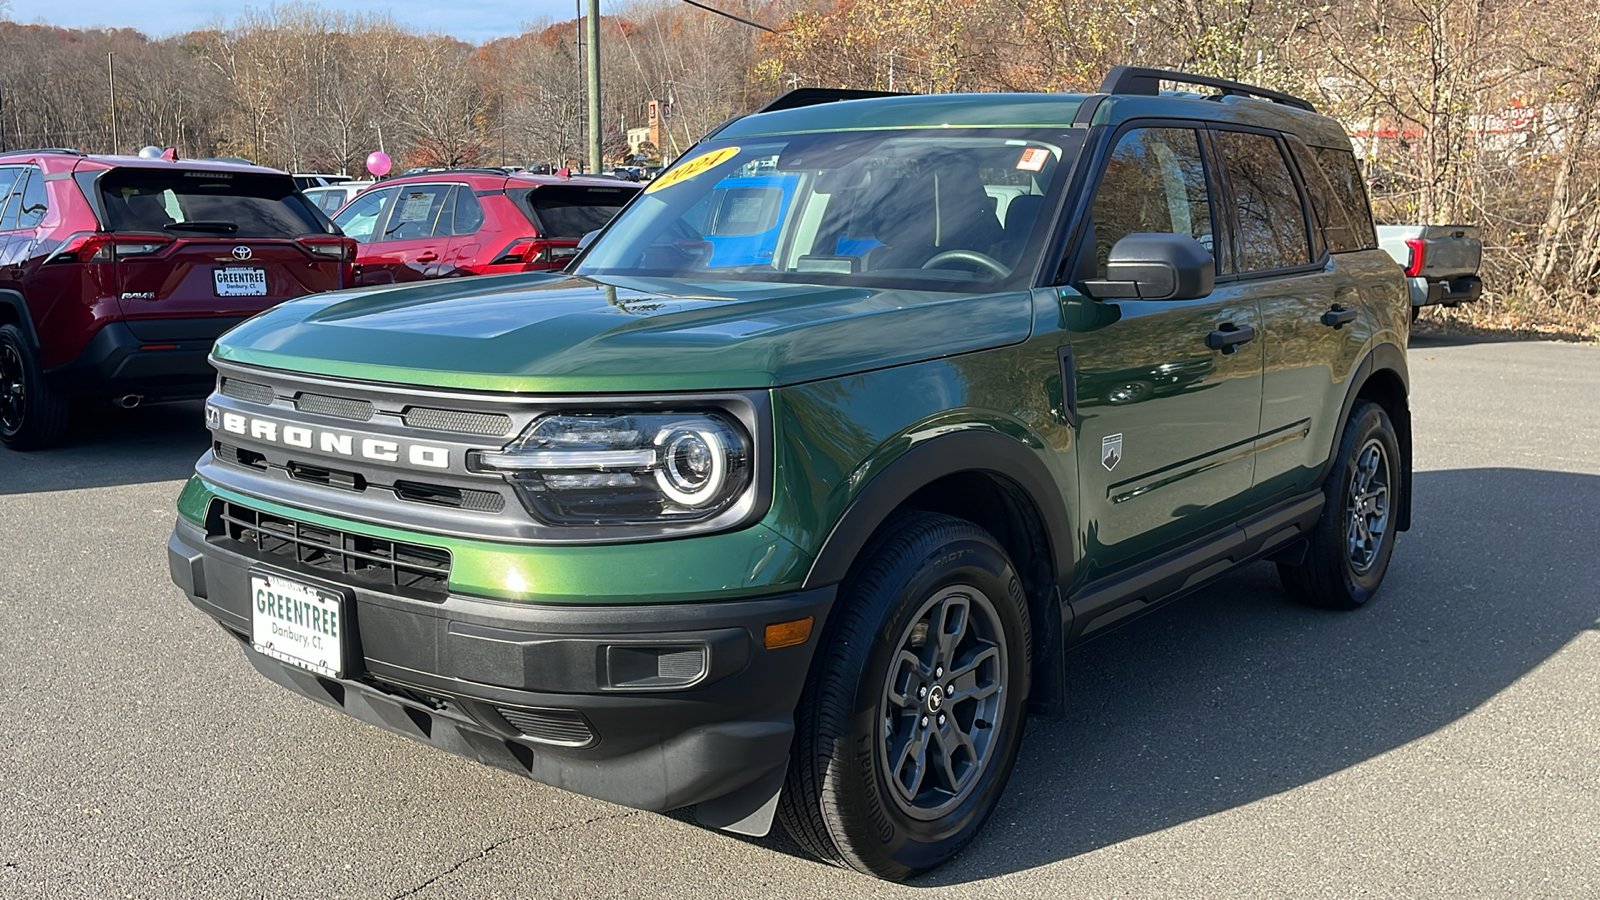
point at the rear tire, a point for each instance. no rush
(32, 416)
(1350, 547)
(892, 774)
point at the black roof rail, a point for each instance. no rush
(1147, 82)
(812, 96)
(66, 150)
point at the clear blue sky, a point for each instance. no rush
(470, 20)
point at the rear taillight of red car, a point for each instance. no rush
(342, 249)
(97, 247)
(534, 251)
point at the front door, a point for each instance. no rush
(1167, 424)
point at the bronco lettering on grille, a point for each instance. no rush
(331, 442)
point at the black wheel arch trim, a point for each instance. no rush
(950, 454)
(24, 317)
(1382, 358)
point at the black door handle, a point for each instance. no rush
(1338, 317)
(1229, 337)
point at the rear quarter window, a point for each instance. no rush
(244, 204)
(1350, 195)
(572, 211)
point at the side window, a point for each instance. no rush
(1336, 232)
(1155, 182)
(360, 219)
(10, 185)
(416, 210)
(468, 212)
(34, 201)
(1350, 193)
(1271, 220)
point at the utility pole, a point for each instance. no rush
(111, 78)
(577, 30)
(594, 85)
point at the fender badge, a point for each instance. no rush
(1111, 450)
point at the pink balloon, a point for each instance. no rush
(378, 163)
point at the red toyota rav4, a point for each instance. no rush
(475, 222)
(117, 273)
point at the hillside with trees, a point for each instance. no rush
(1478, 111)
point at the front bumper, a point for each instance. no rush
(551, 692)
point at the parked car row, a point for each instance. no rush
(117, 273)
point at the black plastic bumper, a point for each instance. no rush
(1452, 293)
(533, 689)
(169, 363)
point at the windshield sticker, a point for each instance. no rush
(1033, 159)
(692, 168)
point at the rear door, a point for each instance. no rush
(411, 243)
(202, 244)
(467, 233)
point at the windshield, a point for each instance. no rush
(931, 210)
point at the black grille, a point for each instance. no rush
(456, 498)
(248, 391)
(551, 726)
(239, 456)
(338, 407)
(458, 421)
(352, 559)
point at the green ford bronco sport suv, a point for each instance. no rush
(789, 497)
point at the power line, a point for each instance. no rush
(726, 15)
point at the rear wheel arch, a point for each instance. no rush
(14, 311)
(1383, 378)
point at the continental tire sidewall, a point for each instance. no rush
(905, 844)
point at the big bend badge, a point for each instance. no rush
(1111, 450)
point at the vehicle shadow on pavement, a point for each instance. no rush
(1237, 693)
(109, 446)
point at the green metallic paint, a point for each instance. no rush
(571, 335)
(730, 566)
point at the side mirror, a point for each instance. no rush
(587, 239)
(1156, 267)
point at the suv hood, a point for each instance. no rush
(556, 333)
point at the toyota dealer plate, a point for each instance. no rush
(297, 623)
(238, 281)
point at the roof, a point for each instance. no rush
(1034, 111)
(487, 177)
(70, 159)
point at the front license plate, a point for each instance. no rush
(297, 623)
(240, 282)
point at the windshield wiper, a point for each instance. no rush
(219, 227)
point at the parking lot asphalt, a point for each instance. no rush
(1441, 742)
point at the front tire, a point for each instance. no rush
(912, 715)
(1352, 542)
(32, 416)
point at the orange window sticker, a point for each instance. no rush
(685, 171)
(1033, 159)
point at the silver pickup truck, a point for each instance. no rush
(1441, 262)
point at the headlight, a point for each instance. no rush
(627, 468)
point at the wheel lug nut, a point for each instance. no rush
(938, 672)
(924, 721)
(922, 693)
(941, 718)
(950, 688)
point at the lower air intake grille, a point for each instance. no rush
(492, 424)
(248, 391)
(338, 407)
(550, 726)
(353, 559)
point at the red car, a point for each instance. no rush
(475, 222)
(117, 273)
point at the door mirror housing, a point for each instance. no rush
(1156, 267)
(587, 239)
